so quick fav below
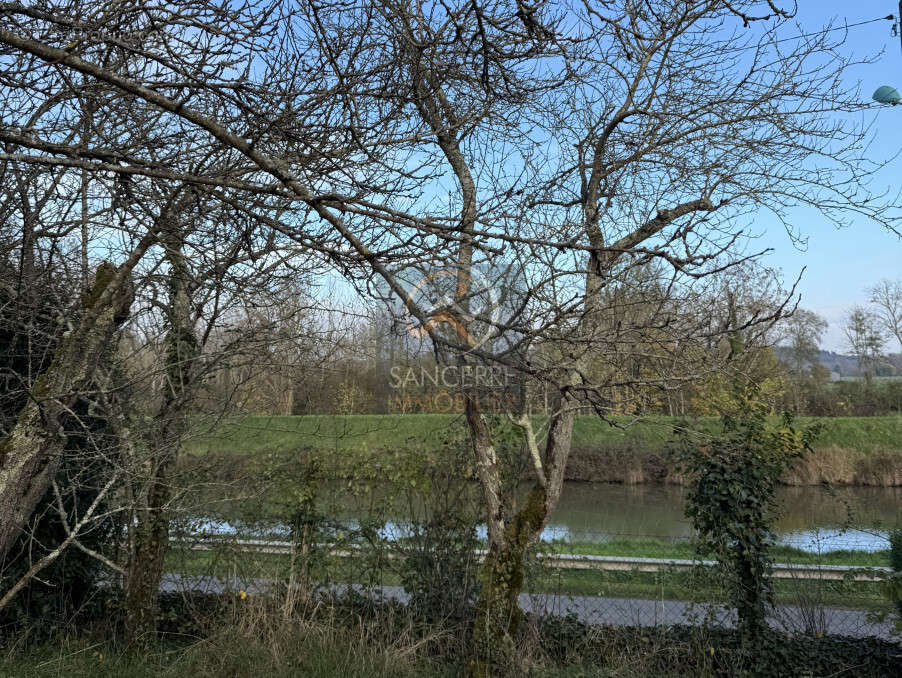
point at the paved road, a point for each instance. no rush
(612, 611)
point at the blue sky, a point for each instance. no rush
(841, 263)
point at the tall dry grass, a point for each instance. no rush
(261, 641)
(832, 464)
(836, 465)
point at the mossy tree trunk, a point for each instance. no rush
(30, 455)
(147, 555)
(498, 613)
(149, 540)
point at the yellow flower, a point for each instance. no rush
(242, 594)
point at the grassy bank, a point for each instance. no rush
(682, 550)
(644, 548)
(849, 451)
(304, 650)
(697, 588)
(252, 435)
(304, 653)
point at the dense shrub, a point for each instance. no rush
(849, 398)
(29, 333)
(437, 562)
(733, 477)
(688, 650)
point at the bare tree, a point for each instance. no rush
(801, 335)
(29, 454)
(149, 216)
(886, 298)
(567, 145)
(804, 331)
(864, 338)
(119, 140)
(651, 162)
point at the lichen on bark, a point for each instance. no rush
(150, 527)
(498, 613)
(30, 454)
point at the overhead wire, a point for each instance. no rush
(802, 36)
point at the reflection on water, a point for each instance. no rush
(822, 540)
(813, 518)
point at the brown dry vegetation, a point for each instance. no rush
(833, 465)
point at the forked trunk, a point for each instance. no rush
(498, 613)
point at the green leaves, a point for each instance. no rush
(730, 499)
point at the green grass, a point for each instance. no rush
(129, 666)
(695, 586)
(637, 548)
(863, 434)
(684, 550)
(254, 435)
(83, 661)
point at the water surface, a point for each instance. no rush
(812, 518)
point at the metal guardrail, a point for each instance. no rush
(574, 561)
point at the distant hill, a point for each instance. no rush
(844, 365)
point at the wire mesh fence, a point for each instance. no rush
(825, 582)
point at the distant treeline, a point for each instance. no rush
(373, 384)
(859, 398)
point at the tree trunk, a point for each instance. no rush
(150, 541)
(751, 607)
(498, 613)
(30, 455)
(147, 557)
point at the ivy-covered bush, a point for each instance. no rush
(730, 498)
(716, 652)
(892, 585)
